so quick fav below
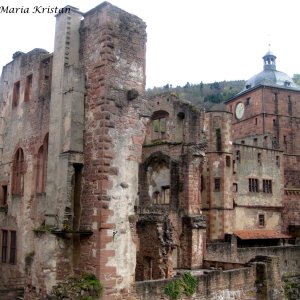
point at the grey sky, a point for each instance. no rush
(188, 41)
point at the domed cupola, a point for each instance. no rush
(270, 76)
(269, 61)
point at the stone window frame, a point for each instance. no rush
(28, 88)
(13, 247)
(42, 165)
(4, 245)
(217, 186)
(16, 94)
(261, 220)
(267, 186)
(253, 185)
(18, 172)
(159, 122)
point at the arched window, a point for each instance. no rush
(41, 175)
(18, 173)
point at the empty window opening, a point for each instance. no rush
(255, 142)
(253, 185)
(13, 247)
(159, 125)
(267, 186)
(228, 161)
(261, 220)
(28, 88)
(259, 158)
(238, 156)
(247, 101)
(18, 173)
(42, 159)
(4, 195)
(4, 246)
(278, 161)
(243, 142)
(274, 122)
(218, 140)
(16, 94)
(255, 121)
(217, 184)
(284, 139)
(235, 187)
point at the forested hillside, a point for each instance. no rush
(216, 92)
(198, 94)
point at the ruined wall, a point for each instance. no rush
(24, 124)
(217, 178)
(169, 187)
(112, 53)
(289, 256)
(258, 164)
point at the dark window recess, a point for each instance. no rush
(218, 140)
(278, 161)
(253, 185)
(16, 94)
(13, 247)
(259, 158)
(255, 142)
(18, 173)
(243, 142)
(274, 122)
(228, 161)
(238, 156)
(28, 88)
(284, 139)
(4, 195)
(217, 184)
(267, 186)
(235, 187)
(202, 183)
(247, 101)
(255, 121)
(289, 105)
(4, 246)
(261, 220)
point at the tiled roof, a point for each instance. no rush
(260, 234)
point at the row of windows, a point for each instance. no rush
(253, 185)
(259, 158)
(19, 170)
(9, 246)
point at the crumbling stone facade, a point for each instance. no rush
(96, 178)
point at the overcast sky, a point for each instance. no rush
(188, 40)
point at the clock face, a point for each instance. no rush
(239, 110)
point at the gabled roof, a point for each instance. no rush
(260, 234)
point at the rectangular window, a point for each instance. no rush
(261, 220)
(255, 121)
(218, 140)
(259, 158)
(159, 127)
(235, 187)
(165, 195)
(28, 88)
(278, 161)
(16, 94)
(247, 101)
(255, 142)
(238, 156)
(217, 184)
(4, 246)
(227, 161)
(267, 186)
(4, 195)
(13, 247)
(253, 185)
